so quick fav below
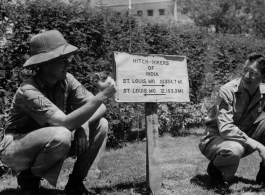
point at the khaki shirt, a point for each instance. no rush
(235, 112)
(35, 102)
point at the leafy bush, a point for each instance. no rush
(176, 118)
(235, 17)
(226, 55)
(98, 33)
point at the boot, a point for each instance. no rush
(216, 176)
(260, 178)
(28, 183)
(75, 186)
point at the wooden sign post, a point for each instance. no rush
(153, 167)
(151, 79)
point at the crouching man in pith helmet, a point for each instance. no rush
(39, 136)
(236, 125)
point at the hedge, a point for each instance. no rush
(213, 59)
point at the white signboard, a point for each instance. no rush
(151, 78)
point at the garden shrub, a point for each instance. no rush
(226, 56)
(212, 59)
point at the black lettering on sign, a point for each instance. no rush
(151, 80)
(126, 80)
(126, 90)
(139, 90)
(152, 74)
(179, 91)
(145, 61)
(160, 62)
(168, 81)
(140, 61)
(152, 91)
(136, 60)
(139, 81)
(172, 90)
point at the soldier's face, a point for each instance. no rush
(58, 68)
(251, 76)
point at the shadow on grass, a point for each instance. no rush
(204, 182)
(243, 180)
(139, 187)
(186, 134)
(43, 191)
(253, 186)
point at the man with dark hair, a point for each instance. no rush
(39, 136)
(236, 125)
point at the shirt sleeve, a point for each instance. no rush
(39, 107)
(78, 94)
(227, 128)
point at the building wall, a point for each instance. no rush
(143, 6)
(126, 2)
(155, 7)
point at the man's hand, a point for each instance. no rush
(106, 87)
(261, 151)
(101, 76)
(81, 140)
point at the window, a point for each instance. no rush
(161, 12)
(150, 12)
(139, 13)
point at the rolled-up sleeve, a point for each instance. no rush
(39, 107)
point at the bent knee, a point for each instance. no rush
(104, 126)
(62, 137)
(233, 153)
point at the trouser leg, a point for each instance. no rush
(228, 158)
(97, 135)
(257, 132)
(94, 171)
(43, 151)
(225, 155)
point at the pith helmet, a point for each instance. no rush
(48, 46)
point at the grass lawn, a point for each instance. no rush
(183, 167)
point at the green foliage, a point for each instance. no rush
(219, 14)
(98, 33)
(225, 16)
(226, 56)
(176, 118)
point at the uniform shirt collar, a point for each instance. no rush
(42, 82)
(262, 88)
(240, 88)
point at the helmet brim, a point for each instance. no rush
(42, 58)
